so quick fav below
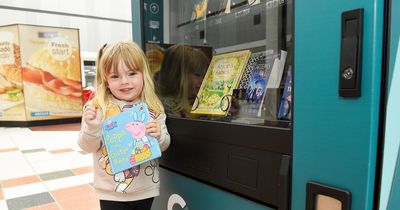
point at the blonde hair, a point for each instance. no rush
(180, 61)
(132, 55)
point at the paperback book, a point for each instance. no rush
(259, 68)
(270, 100)
(125, 139)
(275, 78)
(222, 77)
(199, 10)
(286, 101)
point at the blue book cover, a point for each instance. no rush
(285, 111)
(125, 139)
(258, 70)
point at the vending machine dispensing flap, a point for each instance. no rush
(351, 53)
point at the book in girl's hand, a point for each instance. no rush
(125, 139)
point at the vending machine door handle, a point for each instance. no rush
(351, 53)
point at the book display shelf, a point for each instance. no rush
(224, 72)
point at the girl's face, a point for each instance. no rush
(195, 81)
(124, 83)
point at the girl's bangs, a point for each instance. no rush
(132, 61)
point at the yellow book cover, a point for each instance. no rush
(223, 75)
(199, 10)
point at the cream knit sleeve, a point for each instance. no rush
(89, 140)
(165, 138)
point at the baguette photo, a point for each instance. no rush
(53, 85)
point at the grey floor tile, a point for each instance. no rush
(33, 150)
(83, 152)
(29, 201)
(56, 175)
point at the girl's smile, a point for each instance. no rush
(124, 83)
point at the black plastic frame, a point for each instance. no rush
(314, 189)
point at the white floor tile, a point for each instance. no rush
(23, 190)
(69, 181)
(25, 141)
(17, 130)
(45, 162)
(13, 131)
(6, 142)
(14, 165)
(49, 140)
(3, 205)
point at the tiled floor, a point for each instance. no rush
(45, 169)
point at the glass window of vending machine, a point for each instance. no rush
(224, 70)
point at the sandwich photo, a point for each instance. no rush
(11, 82)
(53, 85)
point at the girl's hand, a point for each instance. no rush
(153, 128)
(92, 117)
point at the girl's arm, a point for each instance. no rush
(90, 134)
(165, 138)
(89, 140)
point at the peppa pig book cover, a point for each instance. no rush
(125, 139)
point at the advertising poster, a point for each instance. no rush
(40, 73)
(11, 94)
(51, 72)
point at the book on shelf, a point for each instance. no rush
(253, 2)
(244, 81)
(254, 82)
(199, 10)
(270, 100)
(125, 139)
(275, 78)
(222, 77)
(285, 111)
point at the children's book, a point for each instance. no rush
(245, 80)
(286, 101)
(125, 139)
(269, 101)
(260, 66)
(274, 80)
(199, 10)
(223, 74)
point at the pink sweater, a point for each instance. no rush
(138, 183)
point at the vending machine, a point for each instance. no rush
(274, 104)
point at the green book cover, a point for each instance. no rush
(223, 75)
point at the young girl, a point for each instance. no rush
(122, 80)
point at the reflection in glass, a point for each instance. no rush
(206, 29)
(180, 77)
